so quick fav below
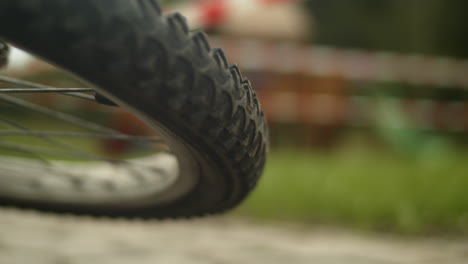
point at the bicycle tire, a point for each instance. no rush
(151, 63)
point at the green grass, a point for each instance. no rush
(366, 188)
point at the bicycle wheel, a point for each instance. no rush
(150, 64)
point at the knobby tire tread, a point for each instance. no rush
(156, 64)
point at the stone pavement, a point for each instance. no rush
(28, 237)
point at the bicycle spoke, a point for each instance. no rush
(41, 151)
(60, 149)
(10, 80)
(44, 90)
(108, 132)
(58, 115)
(78, 135)
(50, 140)
(14, 81)
(37, 152)
(29, 153)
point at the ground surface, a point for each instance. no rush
(32, 238)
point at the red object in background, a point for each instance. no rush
(278, 1)
(214, 12)
(125, 123)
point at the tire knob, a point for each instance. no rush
(4, 50)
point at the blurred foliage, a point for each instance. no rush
(365, 187)
(389, 177)
(166, 2)
(435, 27)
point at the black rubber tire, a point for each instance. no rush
(151, 62)
(3, 54)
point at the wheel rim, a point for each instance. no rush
(88, 179)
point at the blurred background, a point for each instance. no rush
(367, 103)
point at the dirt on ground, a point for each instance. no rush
(28, 237)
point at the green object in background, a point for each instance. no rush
(366, 188)
(431, 27)
(395, 127)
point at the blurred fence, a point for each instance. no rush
(316, 85)
(330, 87)
(358, 65)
